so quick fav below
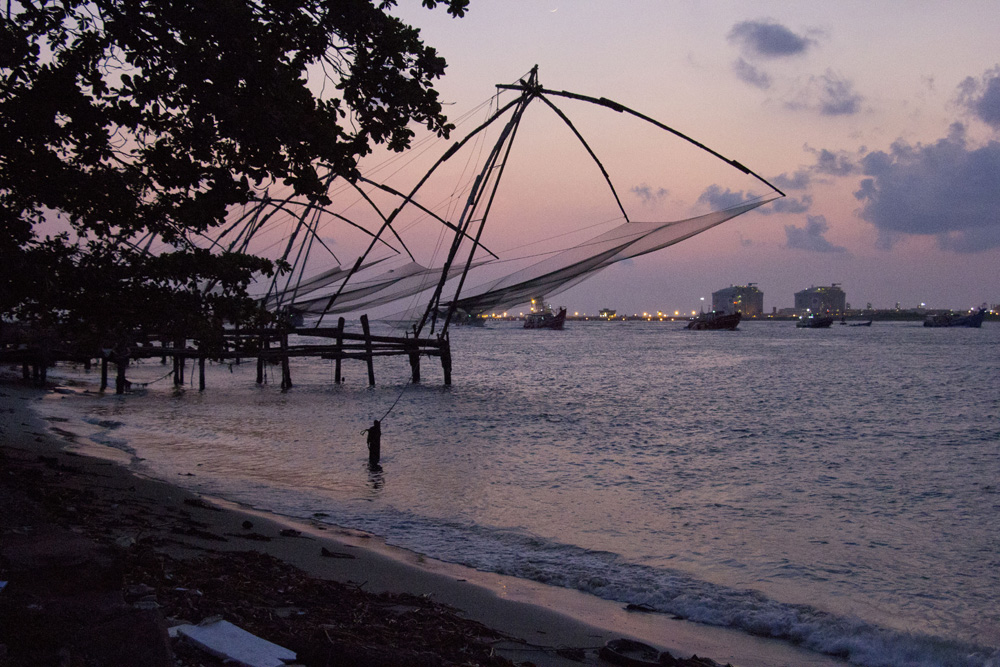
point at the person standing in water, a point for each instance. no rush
(374, 443)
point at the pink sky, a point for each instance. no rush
(880, 121)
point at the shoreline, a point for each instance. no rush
(537, 620)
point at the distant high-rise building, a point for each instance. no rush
(822, 299)
(745, 298)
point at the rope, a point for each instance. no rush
(146, 384)
(396, 401)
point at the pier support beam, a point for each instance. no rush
(263, 346)
(340, 350)
(121, 361)
(179, 363)
(446, 358)
(414, 354)
(369, 357)
(286, 371)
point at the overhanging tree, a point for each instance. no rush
(135, 119)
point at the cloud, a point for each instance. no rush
(982, 97)
(752, 75)
(718, 199)
(768, 39)
(788, 205)
(800, 180)
(811, 236)
(838, 97)
(647, 194)
(832, 163)
(946, 189)
(828, 94)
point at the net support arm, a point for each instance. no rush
(620, 108)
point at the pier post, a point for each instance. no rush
(262, 347)
(369, 357)
(179, 363)
(121, 361)
(236, 344)
(104, 372)
(446, 358)
(340, 350)
(413, 346)
(201, 372)
(286, 371)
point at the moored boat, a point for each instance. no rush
(974, 320)
(545, 319)
(716, 321)
(813, 322)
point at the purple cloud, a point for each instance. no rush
(982, 97)
(647, 194)
(811, 237)
(752, 75)
(768, 39)
(946, 189)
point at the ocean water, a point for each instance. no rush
(839, 489)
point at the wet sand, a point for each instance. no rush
(348, 594)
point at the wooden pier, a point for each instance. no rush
(273, 345)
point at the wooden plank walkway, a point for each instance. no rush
(270, 345)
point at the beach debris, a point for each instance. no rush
(631, 653)
(201, 504)
(574, 654)
(251, 536)
(196, 532)
(232, 643)
(247, 525)
(334, 554)
(640, 607)
(290, 532)
(125, 542)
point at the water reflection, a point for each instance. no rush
(376, 479)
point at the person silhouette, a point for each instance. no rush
(374, 443)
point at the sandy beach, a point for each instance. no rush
(101, 562)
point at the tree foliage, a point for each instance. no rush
(135, 119)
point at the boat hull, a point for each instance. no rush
(715, 322)
(546, 320)
(973, 320)
(815, 323)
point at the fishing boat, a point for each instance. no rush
(861, 324)
(716, 321)
(814, 322)
(545, 319)
(974, 320)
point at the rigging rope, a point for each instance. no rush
(396, 401)
(146, 384)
